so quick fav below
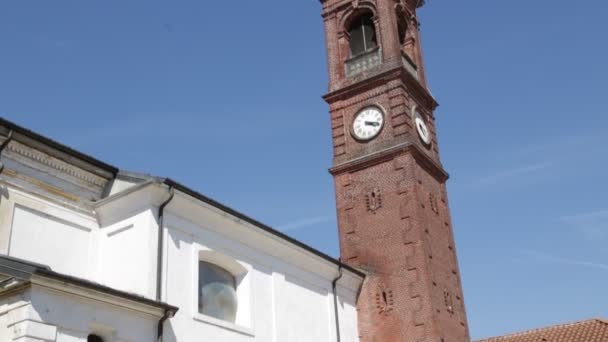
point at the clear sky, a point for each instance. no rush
(225, 96)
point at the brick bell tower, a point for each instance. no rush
(393, 214)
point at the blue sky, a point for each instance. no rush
(225, 96)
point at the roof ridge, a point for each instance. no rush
(541, 329)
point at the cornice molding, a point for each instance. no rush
(188, 213)
(71, 287)
(56, 164)
(434, 168)
(385, 75)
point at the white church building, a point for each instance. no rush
(89, 252)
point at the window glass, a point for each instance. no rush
(369, 33)
(217, 292)
(362, 35)
(357, 44)
(401, 29)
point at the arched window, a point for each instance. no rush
(362, 34)
(94, 338)
(217, 292)
(402, 29)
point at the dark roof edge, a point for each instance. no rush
(105, 289)
(259, 224)
(24, 270)
(60, 147)
(115, 172)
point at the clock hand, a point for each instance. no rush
(372, 123)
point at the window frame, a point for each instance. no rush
(226, 277)
(242, 274)
(359, 18)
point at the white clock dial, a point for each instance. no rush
(423, 131)
(368, 123)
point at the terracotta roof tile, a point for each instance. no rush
(593, 330)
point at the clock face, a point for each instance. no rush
(422, 129)
(368, 123)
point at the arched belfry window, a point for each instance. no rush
(362, 33)
(402, 29)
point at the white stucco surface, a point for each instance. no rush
(284, 291)
(278, 301)
(43, 314)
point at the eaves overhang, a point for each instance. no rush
(154, 191)
(18, 274)
(260, 225)
(92, 164)
(57, 149)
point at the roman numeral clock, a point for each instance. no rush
(368, 123)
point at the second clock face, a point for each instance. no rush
(423, 131)
(368, 123)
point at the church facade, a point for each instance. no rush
(90, 252)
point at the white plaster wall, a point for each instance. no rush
(281, 299)
(284, 303)
(51, 315)
(13, 309)
(347, 309)
(50, 240)
(303, 310)
(4, 332)
(121, 255)
(127, 254)
(43, 232)
(119, 185)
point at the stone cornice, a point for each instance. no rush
(56, 164)
(57, 150)
(434, 168)
(386, 74)
(85, 289)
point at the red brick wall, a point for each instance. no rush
(393, 216)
